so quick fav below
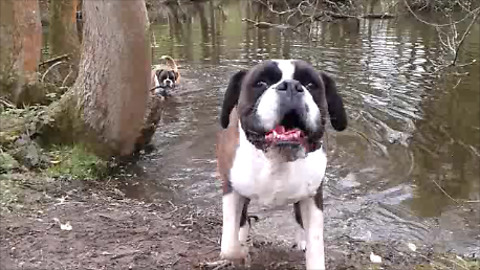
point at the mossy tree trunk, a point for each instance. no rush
(105, 108)
(20, 43)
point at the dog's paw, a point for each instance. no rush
(301, 241)
(235, 253)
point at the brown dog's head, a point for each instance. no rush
(284, 103)
(166, 78)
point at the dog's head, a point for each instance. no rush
(284, 104)
(166, 78)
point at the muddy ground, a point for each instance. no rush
(109, 231)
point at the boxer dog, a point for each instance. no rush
(165, 77)
(270, 149)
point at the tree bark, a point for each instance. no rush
(105, 108)
(21, 43)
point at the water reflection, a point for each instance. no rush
(414, 134)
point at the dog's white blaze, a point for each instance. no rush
(157, 83)
(287, 67)
(313, 110)
(272, 182)
(313, 223)
(267, 108)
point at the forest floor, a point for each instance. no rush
(49, 223)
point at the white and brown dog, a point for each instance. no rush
(270, 149)
(165, 77)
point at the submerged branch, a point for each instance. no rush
(266, 25)
(444, 192)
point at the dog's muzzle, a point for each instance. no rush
(169, 83)
(291, 130)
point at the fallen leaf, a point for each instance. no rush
(63, 227)
(66, 226)
(375, 258)
(62, 200)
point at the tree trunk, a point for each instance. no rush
(21, 43)
(105, 108)
(63, 36)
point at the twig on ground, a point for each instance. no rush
(55, 59)
(210, 251)
(216, 265)
(125, 254)
(66, 77)
(50, 68)
(7, 103)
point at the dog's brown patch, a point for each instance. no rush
(227, 143)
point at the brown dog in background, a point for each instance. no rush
(165, 77)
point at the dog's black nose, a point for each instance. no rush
(292, 86)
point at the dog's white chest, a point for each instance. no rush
(272, 182)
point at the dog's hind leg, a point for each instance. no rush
(312, 216)
(231, 249)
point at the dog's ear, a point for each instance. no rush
(230, 98)
(338, 116)
(177, 75)
(157, 72)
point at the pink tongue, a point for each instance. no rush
(279, 129)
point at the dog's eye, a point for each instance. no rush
(310, 85)
(261, 84)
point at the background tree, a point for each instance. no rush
(63, 35)
(105, 108)
(21, 41)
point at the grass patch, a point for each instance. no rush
(450, 262)
(9, 193)
(76, 162)
(7, 162)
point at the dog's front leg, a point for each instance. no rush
(231, 249)
(312, 216)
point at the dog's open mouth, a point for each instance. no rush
(289, 131)
(280, 134)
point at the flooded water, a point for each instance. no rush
(406, 169)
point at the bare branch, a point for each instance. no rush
(465, 34)
(439, 25)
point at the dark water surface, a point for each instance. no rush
(414, 134)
